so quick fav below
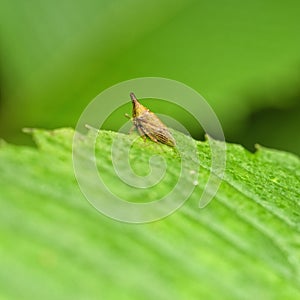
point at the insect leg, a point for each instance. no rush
(151, 136)
(141, 132)
(131, 129)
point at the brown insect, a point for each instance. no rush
(148, 124)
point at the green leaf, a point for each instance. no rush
(54, 245)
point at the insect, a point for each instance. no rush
(148, 124)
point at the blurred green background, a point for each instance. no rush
(242, 56)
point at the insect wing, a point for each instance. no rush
(152, 126)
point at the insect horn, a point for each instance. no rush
(138, 108)
(133, 98)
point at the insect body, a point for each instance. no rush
(148, 124)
